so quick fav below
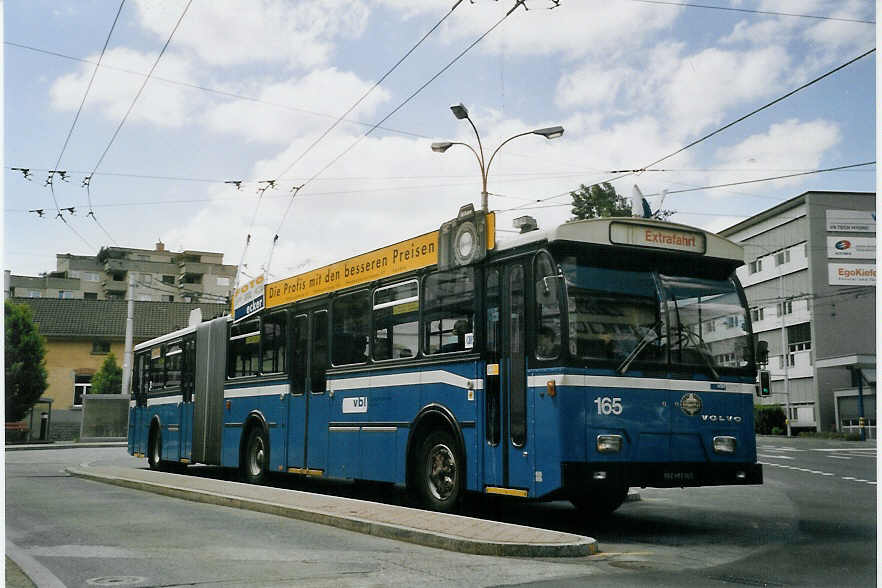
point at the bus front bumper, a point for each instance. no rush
(660, 475)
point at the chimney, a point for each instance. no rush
(160, 246)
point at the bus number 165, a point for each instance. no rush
(607, 405)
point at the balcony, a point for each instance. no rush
(111, 285)
(193, 268)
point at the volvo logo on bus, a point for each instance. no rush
(690, 404)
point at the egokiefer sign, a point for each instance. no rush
(248, 298)
(849, 274)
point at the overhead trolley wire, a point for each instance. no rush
(325, 134)
(213, 90)
(751, 11)
(719, 130)
(396, 109)
(140, 90)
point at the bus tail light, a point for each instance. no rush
(551, 388)
(725, 444)
(609, 443)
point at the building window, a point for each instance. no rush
(147, 278)
(710, 326)
(223, 281)
(785, 308)
(782, 257)
(168, 279)
(755, 266)
(34, 294)
(145, 297)
(65, 295)
(90, 296)
(100, 347)
(90, 276)
(168, 298)
(82, 386)
(757, 314)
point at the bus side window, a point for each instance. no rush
(548, 329)
(173, 357)
(157, 368)
(244, 349)
(318, 363)
(351, 316)
(273, 343)
(494, 328)
(396, 321)
(449, 311)
(300, 353)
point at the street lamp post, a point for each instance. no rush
(461, 112)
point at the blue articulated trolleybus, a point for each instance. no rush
(566, 363)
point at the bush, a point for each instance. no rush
(830, 435)
(767, 417)
(777, 431)
(108, 380)
(25, 365)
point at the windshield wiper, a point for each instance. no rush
(650, 336)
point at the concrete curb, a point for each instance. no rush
(45, 446)
(582, 546)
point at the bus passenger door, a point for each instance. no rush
(308, 401)
(188, 388)
(297, 399)
(507, 453)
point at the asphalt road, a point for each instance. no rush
(812, 523)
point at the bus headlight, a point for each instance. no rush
(609, 443)
(725, 444)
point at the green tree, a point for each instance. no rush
(108, 379)
(25, 357)
(597, 201)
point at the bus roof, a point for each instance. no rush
(635, 232)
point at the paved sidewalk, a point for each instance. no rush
(444, 531)
(64, 445)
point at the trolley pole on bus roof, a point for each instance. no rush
(461, 112)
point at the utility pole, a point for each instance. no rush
(130, 331)
(785, 352)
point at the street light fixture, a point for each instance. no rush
(461, 112)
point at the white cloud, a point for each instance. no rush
(574, 29)
(791, 145)
(112, 92)
(221, 32)
(322, 91)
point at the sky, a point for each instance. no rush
(256, 90)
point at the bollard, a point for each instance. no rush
(44, 426)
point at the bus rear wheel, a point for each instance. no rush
(255, 461)
(154, 449)
(440, 472)
(598, 504)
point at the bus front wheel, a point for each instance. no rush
(255, 462)
(440, 472)
(600, 503)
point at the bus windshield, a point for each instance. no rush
(655, 320)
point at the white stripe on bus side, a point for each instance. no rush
(638, 383)
(406, 379)
(165, 400)
(276, 390)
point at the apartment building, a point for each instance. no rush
(810, 279)
(159, 275)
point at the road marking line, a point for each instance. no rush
(849, 478)
(774, 456)
(838, 457)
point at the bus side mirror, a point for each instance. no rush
(547, 291)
